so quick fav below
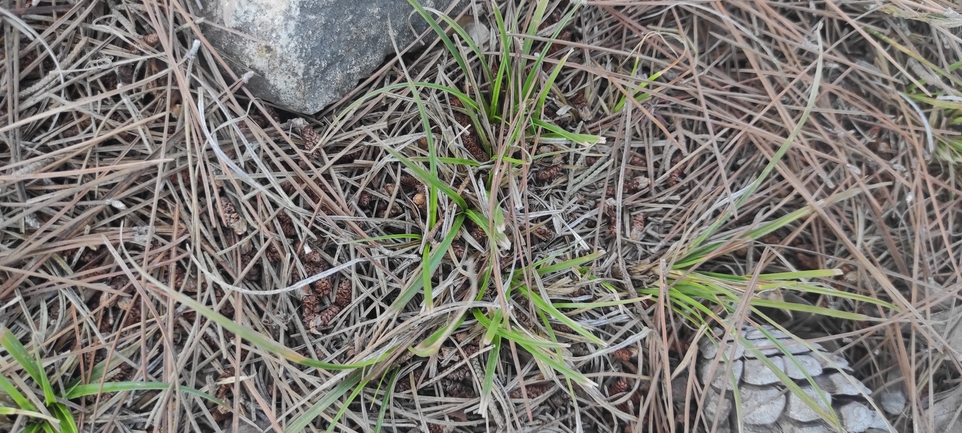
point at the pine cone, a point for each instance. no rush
(767, 404)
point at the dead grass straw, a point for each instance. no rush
(134, 169)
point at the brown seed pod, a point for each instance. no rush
(460, 373)
(675, 177)
(312, 268)
(612, 229)
(364, 199)
(770, 239)
(410, 181)
(543, 233)
(610, 209)
(472, 146)
(470, 349)
(344, 293)
(637, 161)
(272, 113)
(637, 184)
(148, 41)
(478, 233)
(312, 256)
(548, 174)
(638, 226)
(617, 387)
(230, 214)
(420, 200)
(579, 101)
(533, 391)
(545, 149)
(457, 389)
(272, 254)
(391, 212)
(560, 327)
(231, 218)
(327, 316)
(310, 136)
(807, 261)
(323, 287)
(404, 382)
(310, 304)
(287, 224)
(626, 355)
(458, 249)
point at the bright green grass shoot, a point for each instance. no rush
(690, 291)
(53, 415)
(943, 147)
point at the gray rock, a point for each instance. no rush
(307, 54)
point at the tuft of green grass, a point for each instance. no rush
(50, 413)
(925, 86)
(702, 297)
(511, 97)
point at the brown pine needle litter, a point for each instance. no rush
(529, 239)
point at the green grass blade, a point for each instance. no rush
(498, 84)
(450, 161)
(466, 100)
(537, 17)
(412, 236)
(594, 305)
(466, 38)
(749, 191)
(67, 423)
(811, 309)
(429, 178)
(515, 336)
(433, 263)
(448, 43)
(49, 396)
(433, 343)
(426, 280)
(545, 306)
(21, 400)
(32, 366)
(29, 413)
(432, 212)
(798, 275)
(582, 139)
(487, 384)
(570, 264)
(344, 407)
(644, 85)
(548, 84)
(388, 396)
(300, 423)
(260, 340)
(557, 364)
(699, 253)
(496, 324)
(96, 389)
